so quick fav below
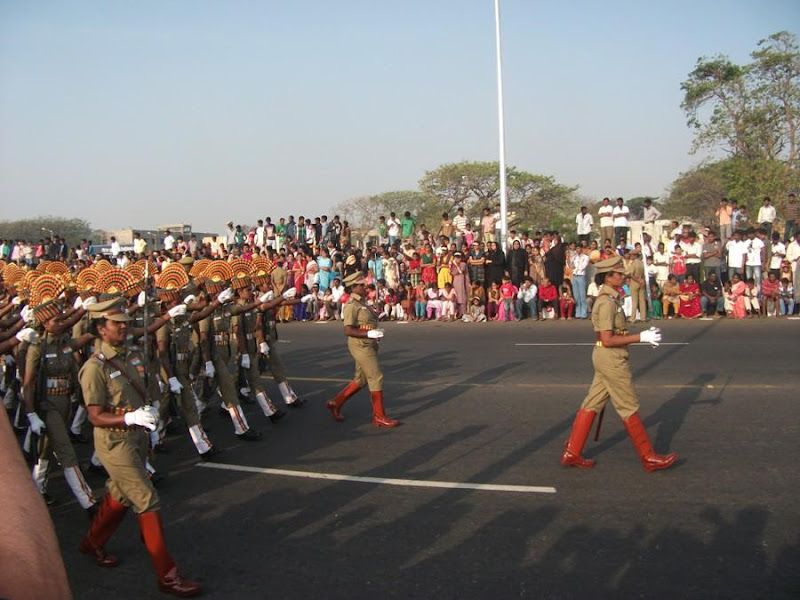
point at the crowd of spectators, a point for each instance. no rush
(459, 270)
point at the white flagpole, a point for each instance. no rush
(501, 127)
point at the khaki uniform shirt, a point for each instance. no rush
(53, 355)
(357, 314)
(607, 313)
(247, 322)
(110, 385)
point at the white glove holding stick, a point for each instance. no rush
(143, 417)
(37, 425)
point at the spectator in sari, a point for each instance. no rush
(737, 296)
(690, 298)
(536, 267)
(325, 265)
(428, 265)
(460, 274)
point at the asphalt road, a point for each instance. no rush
(478, 406)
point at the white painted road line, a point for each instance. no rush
(592, 344)
(484, 487)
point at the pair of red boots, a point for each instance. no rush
(107, 517)
(379, 418)
(638, 434)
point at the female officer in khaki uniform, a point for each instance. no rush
(360, 322)
(116, 401)
(612, 375)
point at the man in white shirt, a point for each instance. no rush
(258, 240)
(460, 227)
(393, 228)
(755, 255)
(169, 241)
(487, 226)
(736, 250)
(777, 253)
(333, 303)
(606, 215)
(584, 223)
(766, 216)
(693, 251)
(230, 235)
(139, 245)
(621, 215)
(579, 264)
(526, 298)
(115, 249)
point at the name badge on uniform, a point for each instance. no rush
(115, 374)
(51, 355)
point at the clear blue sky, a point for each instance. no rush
(137, 113)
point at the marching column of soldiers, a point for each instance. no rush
(127, 352)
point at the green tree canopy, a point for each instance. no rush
(36, 228)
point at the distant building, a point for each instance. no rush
(153, 237)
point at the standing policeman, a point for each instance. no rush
(360, 327)
(612, 374)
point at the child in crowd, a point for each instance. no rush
(449, 300)
(671, 296)
(475, 312)
(567, 301)
(786, 302)
(655, 301)
(406, 300)
(508, 294)
(434, 304)
(420, 301)
(678, 264)
(548, 298)
(751, 300)
(493, 302)
(592, 292)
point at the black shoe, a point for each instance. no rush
(78, 437)
(251, 435)
(211, 454)
(279, 414)
(161, 449)
(97, 469)
(157, 478)
(223, 410)
(49, 500)
(298, 403)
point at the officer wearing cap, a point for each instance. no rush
(612, 374)
(360, 327)
(118, 408)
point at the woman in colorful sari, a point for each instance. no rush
(428, 266)
(737, 296)
(690, 299)
(443, 276)
(325, 265)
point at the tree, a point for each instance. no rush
(695, 194)
(34, 229)
(751, 113)
(363, 212)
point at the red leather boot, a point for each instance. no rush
(577, 439)
(650, 460)
(107, 517)
(170, 579)
(337, 403)
(379, 418)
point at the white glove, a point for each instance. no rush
(141, 299)
(225, 296)
(289, 294)
(78, 303)
(270, 295)
(85, 304)
(245, 362)
(263, 347)
(210, 370)
(16, 301)
(174, 385)
(27, 315)
(27, 335)
(189, 299)
(375, 334)
(37, 425)
(144, 417)
(651, 336)
(177, 311)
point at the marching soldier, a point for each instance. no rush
(174, 342)
(260, 275)
(612, 374)
(360, 327)
(215, 344)
(50, 376)
(118, 408)
(246, 327)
